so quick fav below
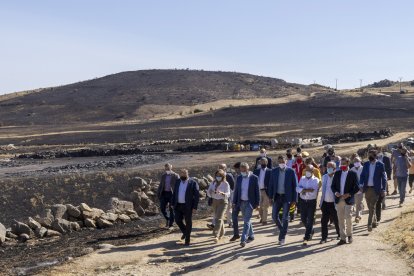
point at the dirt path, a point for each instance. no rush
(368, 255)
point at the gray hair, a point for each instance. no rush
(264, 159)
(244, 165)
(333, 164)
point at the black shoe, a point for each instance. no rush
(250, 239)
(210, 226)
(167, 224)
(394, 193)
(338, 238)
(322, 241)
(350, 239)
(235, 238)
(374, 225)
(183, 237)
(341, 242)
(243, 244)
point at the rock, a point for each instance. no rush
(141, 199)
(41, 232)
(19, 228)
(73, 211)
(59, 211)
(105, 246)
(138, 183)
(89, 223)
(110, 217)
(124, 218)
(134, 216)
(2, 233)
(10, 235)
(47, 219)
(74, 226)
(34, 224)
(61, 225)
(152, 210)
(80, 223)
(103, 223)
(53, 233)
(203, 184)
(24, 237)
(93, 214)
(209, 178)
(121, 205)
(84, 207)
(140, 210)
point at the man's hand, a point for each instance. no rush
(337, 194)
(345, 196)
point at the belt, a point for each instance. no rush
(263, 189)
(307, 200)
(180, 203)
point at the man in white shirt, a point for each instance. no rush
(308, 191)
(359, 205)
(328, 202)
(264, 176)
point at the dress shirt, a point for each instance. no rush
(343, 181)
(245, 187)
(289, 163)
(223, 187)
(182, 190)
(262, 178)
(167, 186)
(329, 195)
(371, 174)
(308, 183)
(281, 182)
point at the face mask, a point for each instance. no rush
(357, 164)
(299, 161)
(168, 172)
(330, 170)
(282, 166)
(219, 178)
(289, 156)
(344, 168)
(308, 174)
(244, 174)
(371, 158)
(262, 154)
(183, 178)
(263, 166)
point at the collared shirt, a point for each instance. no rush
(182, 190)
(308, 183)
(281, 182)
(371, 173)
(213, 190)
(167, 186)
(329, 195)
(401, 168)
(289, 163)
(358, 171)
(245, 187)
(262, 178)
(343, 181)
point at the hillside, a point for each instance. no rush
(136, 95)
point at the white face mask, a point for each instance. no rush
(219, 178)
(168, 172)
(282, 166)
(262, 154)
(357, 164)
(308, 174)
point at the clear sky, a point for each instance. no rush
(48, 42)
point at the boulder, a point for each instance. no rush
(59, 211)
(61, 225)
(103, 223)
(80, 223)
(141, 199)
(24, 237)
(84, 207)
(124, 218)
(34, 224)
(41, 232)
(203, 184)
(110, 217)
(53, 233)
(10, 235)
(93, 214)
(73, 211)
(47, 219)
(19, 228)
(74, 226)
(140, 210)
(89, 223)
(121, 205)
(152, 210)
(2, 233)
(138, 183)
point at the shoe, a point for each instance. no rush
(311, 235)
(167, 224)
(187, 244)
(282, 242)
(341, 242)
(210, 226)
(369, 228)
(338, 238)
(183, 237)
(374, 225)
(250, 239)
(411, 189)
(394, 193)
(305, 243)
(264, 223)
(384, 207)
(350, 239)
(291, 220)
(230, 225)
(261, 221)
(235, 238)
(216, 240)
(357, 219)
(243, 244)
(400, 205)
(322, 241)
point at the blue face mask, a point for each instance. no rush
(244, 174)
(330, 170)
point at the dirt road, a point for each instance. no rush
(368, 255)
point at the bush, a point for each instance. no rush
(197, 110)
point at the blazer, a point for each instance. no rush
(161, 187)
(230, 180)
(253, 193)
(351, 186)
(269, 162)
(388, 167)
(291, 182)
(192, 194)
(256, 172)
(380, 177)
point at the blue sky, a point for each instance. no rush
(46, 43)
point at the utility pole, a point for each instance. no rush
(400, 83)
(360, 84)
(336, 84)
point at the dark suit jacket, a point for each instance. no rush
(388, 167)
(380, 180)
(192, 194)
(161, 187)
(291, 182)
(253, 193)
(269, 162)
(256, 172)
(351, 186)
(230, 180)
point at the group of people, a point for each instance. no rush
(291, 186)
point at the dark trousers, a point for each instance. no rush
(279, 202)
(186, 214)
(328, 212)
(235, 217)
(307, 215)
(166, 199)
(378, 207)
(411, 180)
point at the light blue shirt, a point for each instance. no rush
(371, 173)
(281, 182)
(245, 188)
(181, 191)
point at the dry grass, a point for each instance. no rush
(401, 234)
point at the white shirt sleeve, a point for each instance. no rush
(299, 188)
(210, 189)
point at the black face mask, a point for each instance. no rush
(289, 155)
(263, 166)
(183, 178)
(371, 158)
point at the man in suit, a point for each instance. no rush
(186, 197)
(388, 169)
(264, 176)
(263, 154)
(374, 181)
(165, 194)
(246, 198)
(344, 187)
(282, 193)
